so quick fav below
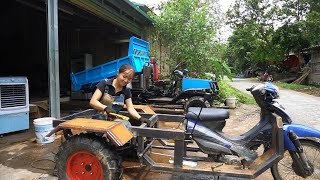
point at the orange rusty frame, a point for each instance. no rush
(115, 131)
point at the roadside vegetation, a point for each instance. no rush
(265, 32)
(226, 90)
(307, 89)
(295, 86)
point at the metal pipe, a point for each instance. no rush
(146, 149)
(53, 57)
(192, 149)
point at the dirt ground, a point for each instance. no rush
(242, 118)
(22, 158)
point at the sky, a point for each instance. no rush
(225, 4)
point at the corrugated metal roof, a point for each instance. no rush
(312, 47)
(121, 13)
(137, 8)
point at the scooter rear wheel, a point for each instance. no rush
(285, 168)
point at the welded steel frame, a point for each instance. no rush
(258, 166)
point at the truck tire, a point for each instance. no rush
(86, 156)
(196, 101)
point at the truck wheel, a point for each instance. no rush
(87, 157)
(196, 101)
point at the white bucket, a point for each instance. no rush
(42, 127)
(231, 102)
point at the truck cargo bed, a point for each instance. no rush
(138, 57)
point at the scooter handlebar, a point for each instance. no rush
(250, 89)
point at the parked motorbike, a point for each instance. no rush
(265, 77)
(300, 144)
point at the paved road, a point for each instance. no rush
(303, 108)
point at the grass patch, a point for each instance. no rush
(294, 86)
(226, 90)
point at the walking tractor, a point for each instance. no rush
(181, 91)
(98, 152)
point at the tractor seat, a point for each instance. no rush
(207, 114)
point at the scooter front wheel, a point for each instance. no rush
(286, 169)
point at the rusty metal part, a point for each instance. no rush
(168, 111)
(115, 131)
(275, 153)
(144, 108)
(259, 165)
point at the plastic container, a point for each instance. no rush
(231, 102)
(42, 127)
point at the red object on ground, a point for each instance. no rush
(155, 69)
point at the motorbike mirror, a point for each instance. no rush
(178, 73)
(177, 65)
(250, 89)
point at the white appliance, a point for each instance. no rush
(14, 104)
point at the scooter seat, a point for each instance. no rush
(207, 114)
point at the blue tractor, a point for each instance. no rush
(180, 91)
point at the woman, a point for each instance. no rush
(115, 91)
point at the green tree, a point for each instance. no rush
(187, 29)
(268, 30)
(312, 23)
(254, 23)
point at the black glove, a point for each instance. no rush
(109, 110)
(144, 120)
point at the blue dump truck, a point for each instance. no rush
(184, 92)
(138, 57)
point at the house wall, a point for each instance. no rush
(314, 77)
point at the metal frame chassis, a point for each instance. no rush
(258, 166)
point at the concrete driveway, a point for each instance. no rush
(19, 150)
(303, 108)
